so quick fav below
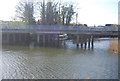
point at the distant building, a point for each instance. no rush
(113, 25)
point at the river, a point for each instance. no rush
(59, 63)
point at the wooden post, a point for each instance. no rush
(89, 42)
(48, 40)
(8, 38)
(77, 45)
(58, 41)
(55, 39)
(25, 37)
(81, 45)
(92, 42)
(78, 39)
(43, 40)
(85, 44)
(14, 38)
(38, 38)
(19, 37)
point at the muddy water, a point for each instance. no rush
(60, 63)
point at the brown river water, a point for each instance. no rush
(60, 63)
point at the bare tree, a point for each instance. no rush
(51, 12)
(48, 12)
(25, 11)
(43, 17)
(67, 13)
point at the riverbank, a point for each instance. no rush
(114, 46)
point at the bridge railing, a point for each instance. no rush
(56, 27)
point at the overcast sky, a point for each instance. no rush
(98, 12)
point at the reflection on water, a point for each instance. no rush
(60, 63)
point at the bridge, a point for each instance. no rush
(60, 29)
(46, 34)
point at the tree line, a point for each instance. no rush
(50, 12)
